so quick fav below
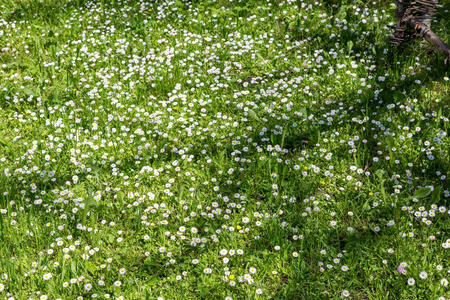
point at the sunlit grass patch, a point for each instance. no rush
(220, 149)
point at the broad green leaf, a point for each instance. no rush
(390, 142)
(366, 205)
(379, 173)
(110, 238)
(304, 112)
(341, 14)
(282, 138)
(253, 114)
(350, 45)
(90, 267)
(151, 262)
(89, 201)
(73, 267)
(285, 171)
(29, 91)
(152, 281)
(436, 194)
(92, 219)
(421, 193)
(319, 285)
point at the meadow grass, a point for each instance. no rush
(221, 149)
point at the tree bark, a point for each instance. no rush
(414, 18)
(428, 35)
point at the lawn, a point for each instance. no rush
(221, 149)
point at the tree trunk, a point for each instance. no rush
(426, 33)
(414, 18)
